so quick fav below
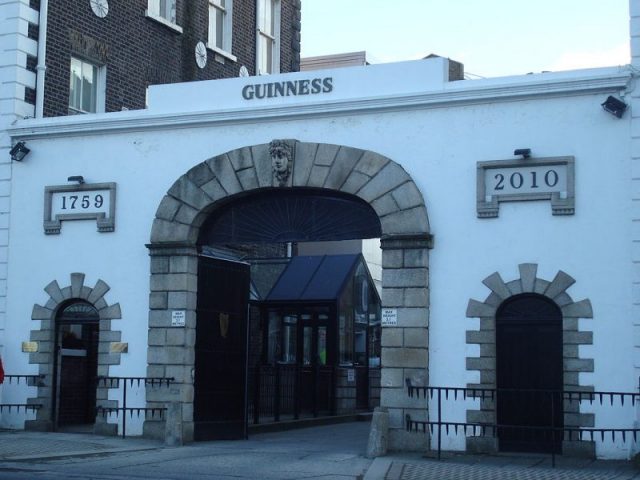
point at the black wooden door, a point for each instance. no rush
(78, 355)
(77, 333)
(220, 381)
(529, 370)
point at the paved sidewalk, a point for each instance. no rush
(325, 452)
(503, 467)
(17, 445)
(333, 452)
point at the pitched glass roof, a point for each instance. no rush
(314, 278)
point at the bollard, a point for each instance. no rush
(378, 433)
(173, 425)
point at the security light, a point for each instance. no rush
(19, 151)
(76, 178)
(614, 106)
(525, 152)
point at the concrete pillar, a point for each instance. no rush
(173, 436)
(378, 433)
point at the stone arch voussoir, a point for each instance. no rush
(376, 179)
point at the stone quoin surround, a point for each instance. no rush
(572, 338)
(406, 238)
(45, 356)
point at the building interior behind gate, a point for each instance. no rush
(313, 322)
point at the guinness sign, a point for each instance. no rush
(288, 88)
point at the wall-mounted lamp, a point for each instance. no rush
(76, 178)
(19, 151)
(614, 106)
(525, 152)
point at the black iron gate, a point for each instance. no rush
(220, 380)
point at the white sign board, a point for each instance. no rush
(524, 180)
(389, 317)
(351, 375)
(78, 201)
(96, 201)
(178, 318)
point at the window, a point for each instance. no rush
(282, 340)
(268, 37)
(86, 87)
(220, 27)
(164, 11)
(163, 8)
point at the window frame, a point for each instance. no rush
(100, 78)
(274, 37)
(227, 29)
(153, 12)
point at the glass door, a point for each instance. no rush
(315, 376)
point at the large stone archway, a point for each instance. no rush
(406, 238)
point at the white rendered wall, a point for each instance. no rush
(14, 77)
(437, 145)
(634, 113)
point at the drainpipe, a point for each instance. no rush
(42, 51)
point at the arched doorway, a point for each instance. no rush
(574, 334)
(76, 364)
(529, 371)
(374, 180)
(72, 303)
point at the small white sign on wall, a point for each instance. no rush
(351, 375)
(389, 317)
(178, 318)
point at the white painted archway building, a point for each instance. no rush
(401, 138)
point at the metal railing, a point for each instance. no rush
(115, 382)
(31, 381)
(553, 432)
(291, 391)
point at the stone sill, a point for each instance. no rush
(218, 51)
(163, 21)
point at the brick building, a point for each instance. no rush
(100, 55)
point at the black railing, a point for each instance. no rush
(290, 391)
(115, 382)
(31, 381)
(553, 432)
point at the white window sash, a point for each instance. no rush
(225, 33)
(154, 7)
(165, 9)
(87, 87)
(268, 32)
